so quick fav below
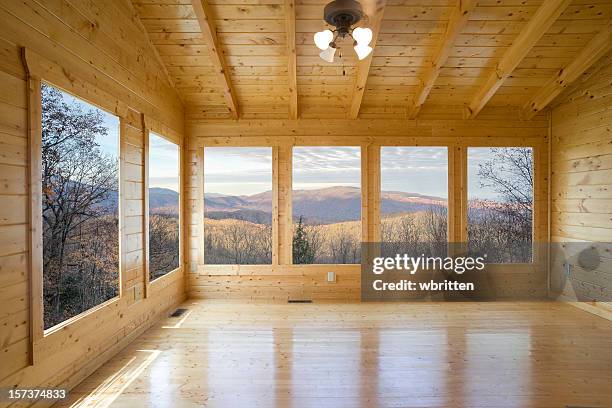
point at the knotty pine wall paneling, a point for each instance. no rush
(282, 280)
(581, 199)
(99, 52)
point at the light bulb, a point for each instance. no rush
(328, 54)
(323, 38)
(362, 50)
(363, 36)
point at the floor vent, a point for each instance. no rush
(579, 406)
(178, 312)
(299, 301)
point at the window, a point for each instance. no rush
(164, 193)
(326, 205)
(237, 205)
(80, 146)
(414, 198)
(500, 203)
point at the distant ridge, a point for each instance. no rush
(325, 205)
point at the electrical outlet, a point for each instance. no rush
(331, 276)
(567, 269)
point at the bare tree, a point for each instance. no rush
(163, 244)
(343, 248)
(503, 228)
(78, 185)
(237, 242)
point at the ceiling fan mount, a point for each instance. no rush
(343, 14)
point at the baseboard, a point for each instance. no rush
(597, 308)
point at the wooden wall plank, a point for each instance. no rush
(291, 58)
(282, 280)
(581, 202)
(98, 63)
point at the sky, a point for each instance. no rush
(163, 155)
(422, 170)
(476, 156)
(164, 166)
(109, 143)
(248, 170)
(237, 170)
(320, 167)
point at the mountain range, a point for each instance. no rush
(326, 205)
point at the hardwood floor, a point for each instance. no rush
(362, 355)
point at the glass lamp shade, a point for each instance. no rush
(323, 38)
(363, 36)
(362, 50)
(328, 54)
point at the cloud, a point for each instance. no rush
(329, 165)
(237, 170)
(162, 145)
(327, 158)
(414, 158)
(244, 154)
(164, 182)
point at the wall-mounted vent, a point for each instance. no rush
(178, 312)
(299, 301)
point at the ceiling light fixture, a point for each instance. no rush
(343, 15)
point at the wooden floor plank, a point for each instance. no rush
(223, 354)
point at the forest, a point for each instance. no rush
(327, 228)
(80, 208)
(81, 225)
(163, 241)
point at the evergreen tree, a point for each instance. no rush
(303, 251)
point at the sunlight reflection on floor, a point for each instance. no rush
(114, 385)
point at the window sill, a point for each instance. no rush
(81, 316)
(160, 280)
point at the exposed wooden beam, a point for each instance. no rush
(363, 66)
(542, 20)
(209, 32)
(291, 58)
(158, 57)
(593, 51)
(457, 21)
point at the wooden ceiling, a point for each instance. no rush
(256, 58)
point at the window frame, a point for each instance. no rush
(147, 145)
(282, 141)
(449, 188)
(151, 125)
(274, 180)
(364, 197)
(540, 210)
(35, 136)
(458, 186)
(535, 211)
(132, 120)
